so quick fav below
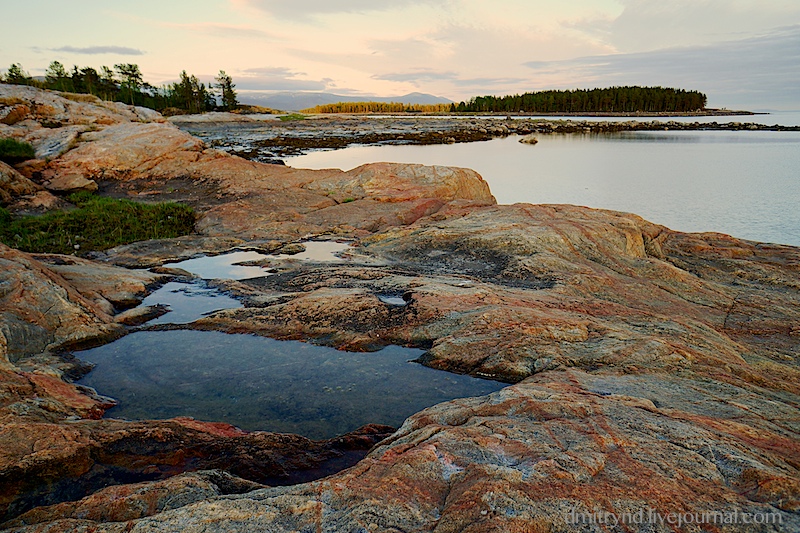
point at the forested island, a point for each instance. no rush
(613, 100)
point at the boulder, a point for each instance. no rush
(42, 312)
(69, 183)
(13, 185)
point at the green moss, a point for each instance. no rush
(348, 200)
(292, 116)
(14, 151)
(97, 224)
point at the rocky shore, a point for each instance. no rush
(650, 371)
(267, 139)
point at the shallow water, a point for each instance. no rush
(744, 183)
(258, 383)
(188, 302)
(224, 266)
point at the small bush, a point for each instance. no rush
(97, 224)
(14, 151)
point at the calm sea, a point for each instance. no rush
(743, 183)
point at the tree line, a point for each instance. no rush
(125, 83)
(378, 107)
(610, 100)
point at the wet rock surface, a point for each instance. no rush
(651, 369)
(268, 141)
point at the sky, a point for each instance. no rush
(744, 54)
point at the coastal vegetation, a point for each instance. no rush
(611, 100)
(379, 107)
(96, 223)
(14, 151)
(125, 83)
(292, 116)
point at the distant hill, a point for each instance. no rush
(295, 101)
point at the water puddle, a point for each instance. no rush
(188, 302)
(392, 300)
(258, 383)
(230, 265)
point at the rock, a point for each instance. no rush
(67, 109)
(141, 499)
(211, 118)
(13, 114)
(290, 249)
(529, 139)
(69, 183)
(37, 203)
(121, 286)
(139, 315)
(535, 455)
(13, 185)
(45, 463)
(49, 143)
(153, 253)
(42, 312)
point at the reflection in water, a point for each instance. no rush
(226, 266)
(258, 383)
(744, 183)
(188, 302)
(223, 266)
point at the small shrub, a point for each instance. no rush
(98, 223)
(14, 151)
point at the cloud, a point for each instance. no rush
(226, 31)
(304, 9)
(279, 79)
(654, 24)
(94, 50)
(757, 72)
(416, 75)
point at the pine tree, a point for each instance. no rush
(17, 76)
(131, 78)
(56, 76)
(225, 86)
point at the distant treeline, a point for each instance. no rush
(124, 83)
(611, 100)
(379, 107)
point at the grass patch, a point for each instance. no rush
(292, 116)
(14, 151)
(97, 224)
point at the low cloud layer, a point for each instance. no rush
(302, 9)
(96, 50)
(279, 79)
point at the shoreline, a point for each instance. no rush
(524, 114)
(270, 140)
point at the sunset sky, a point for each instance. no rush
(742, 53)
